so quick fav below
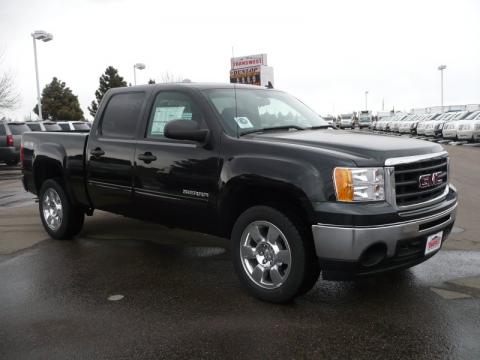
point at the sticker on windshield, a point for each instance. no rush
(243, 122)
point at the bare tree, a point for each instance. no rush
(9, 97)
(168, 77)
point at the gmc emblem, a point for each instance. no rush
(429, 180)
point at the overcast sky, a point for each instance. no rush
(327, 53)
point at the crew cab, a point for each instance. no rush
(295, 196)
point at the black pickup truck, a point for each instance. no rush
(295, 196)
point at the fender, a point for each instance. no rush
(55, 155)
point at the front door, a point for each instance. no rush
(175, 181)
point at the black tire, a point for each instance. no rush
(72, 216)
(303, 271)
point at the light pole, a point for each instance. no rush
(44, 36)
(138, 66)
(366, 100)
(441, 68)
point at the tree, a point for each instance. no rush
(168, 77)
(59, 103)
(110, 79)
(9, 98)
(151, 81)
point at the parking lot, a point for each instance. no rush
(129, 289)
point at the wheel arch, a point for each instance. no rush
(245, 192)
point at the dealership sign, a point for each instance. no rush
(251, 70)
(248, 61)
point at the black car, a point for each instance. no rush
(294, 196)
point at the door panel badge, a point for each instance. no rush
(199, 194)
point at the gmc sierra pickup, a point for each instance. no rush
(295, 196)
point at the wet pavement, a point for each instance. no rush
(128, 289)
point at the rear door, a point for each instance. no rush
(110, 152)
(175, 181)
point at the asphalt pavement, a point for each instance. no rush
(128, 289)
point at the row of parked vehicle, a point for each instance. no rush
(11, 135)
(455, 125)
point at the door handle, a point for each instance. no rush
(148, 157)
(97, 152)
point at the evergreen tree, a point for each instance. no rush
(110, 79)
(151, 81)
(59, 103)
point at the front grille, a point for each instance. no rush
(407, 176)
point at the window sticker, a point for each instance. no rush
(163, 115)
(243, 122)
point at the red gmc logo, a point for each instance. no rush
(429, 180)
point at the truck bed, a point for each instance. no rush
(52, 152)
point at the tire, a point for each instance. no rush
(63, 224)
(276, 273)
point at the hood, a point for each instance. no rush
(366, 149)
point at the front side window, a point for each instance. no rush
(121, 115)
(168, 106)
(244, 110)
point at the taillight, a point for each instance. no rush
(9, 140)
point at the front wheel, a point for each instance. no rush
(273, 257)
(60, 218)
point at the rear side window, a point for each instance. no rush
(121, 115)
(2, 130)
(18, 129)
(34, 127)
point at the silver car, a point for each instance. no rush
(450, 128)
(469, 129)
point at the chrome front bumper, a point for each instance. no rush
(348, 243)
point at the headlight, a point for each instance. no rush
(359, 184)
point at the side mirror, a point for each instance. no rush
(185, 130)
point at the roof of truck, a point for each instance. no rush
(200, 86)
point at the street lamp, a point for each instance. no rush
(44, 36)
(138, 66)
(366, 100)
(441, 68)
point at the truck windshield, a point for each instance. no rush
(249, 110)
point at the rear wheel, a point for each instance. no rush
(60, 218)
(272, 259)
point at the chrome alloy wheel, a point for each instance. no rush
(265, 254)
(52, 209)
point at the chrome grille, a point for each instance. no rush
(407, 181)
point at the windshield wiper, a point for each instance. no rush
(285, 127)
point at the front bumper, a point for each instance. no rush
(341, 249)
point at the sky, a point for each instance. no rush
(326, 53)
